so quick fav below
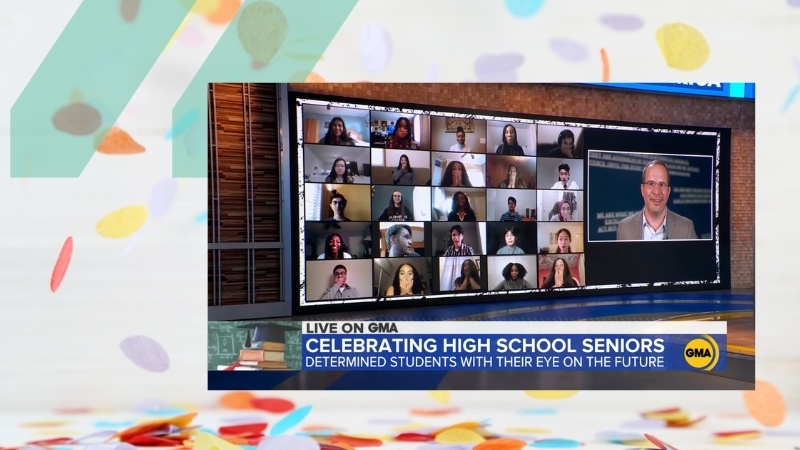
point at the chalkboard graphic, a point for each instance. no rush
(273, 345)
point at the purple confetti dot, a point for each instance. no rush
(161, 197)
(498, 68)
(145, 353)
(793, 3)
(376, 47)
(621, 22)
(288, 443)
(645, 424)
(569, 50)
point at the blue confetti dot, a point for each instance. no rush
(555, 443)
(184, 123)
(524, 8)
(290, 420)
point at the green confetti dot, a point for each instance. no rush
(262, 30)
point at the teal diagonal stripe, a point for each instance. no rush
(268, 41)
(85, 82)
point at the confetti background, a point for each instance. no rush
(103, 276)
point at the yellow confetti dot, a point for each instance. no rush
(262, 30)
(459, 436)
(441, 397)
(550, 395)
(462, 425)
(205, 441)
(122, 222)
(527, 430)
(410, 427)
(683, 46)
(201, 6)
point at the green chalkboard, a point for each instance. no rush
(226, 338)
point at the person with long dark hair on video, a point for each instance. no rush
(396, 211)
(510, 146)
(337, 134)
(460, 211)
(564, 241)
(407, 281)
(514, 278)
(404, 174)
(468, 281)
(511, 247)
(402, 138)
(560, 276)
(339, 173)
(335, 248)
(455, 175)
(512, 181)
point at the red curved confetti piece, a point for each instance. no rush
(734, 433)
(273, 405)
(52, 441)
(61, 264)
(414, 437)
(661, 444)
(355, 441)
(247, 429)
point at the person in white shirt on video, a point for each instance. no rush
(563, 179)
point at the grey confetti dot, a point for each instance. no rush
(569, 50)
(621, 22)
(498, 68)
(78, 119)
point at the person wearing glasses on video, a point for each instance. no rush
(340, 288)
(655, 221)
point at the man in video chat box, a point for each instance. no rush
(563, 179)
(655, 221)
(340, 288)
(398, 241)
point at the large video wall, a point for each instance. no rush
(418, 203)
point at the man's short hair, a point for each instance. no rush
(654, 163)
(339, 266)
(393, 230)
(338, 195)
(456, 228)
(563, 166)
(512, 199)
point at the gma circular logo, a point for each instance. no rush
(702, 352)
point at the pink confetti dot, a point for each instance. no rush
(62, 263)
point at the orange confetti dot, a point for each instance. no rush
(118, 142)
(62, 263)
(225, 12)
(314, 77)
(766, 404)
(501, 444)
(606, 69)
(355, 441)
(237, 400)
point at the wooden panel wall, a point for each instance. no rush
(244, 194)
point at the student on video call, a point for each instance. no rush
(511, 247)
(460, 211)
(655, 221)
(335, 248)
(560, 276)
(337, 134)
(563, 241)
(404, 174)
(407, 281)
(564, 212)
(461, 139)
(401, 138)
(563, 179)
(459, 248)
(512, 181)
(455, 175)
(565, 147)
(468, 281)
(396, 211)
(511, 215)
(513, 278)
(340, 288)
(398, 241)
(510, 146)
(339, 173)
(338, 204)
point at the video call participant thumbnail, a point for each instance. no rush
(563, 179)
(399, 242)
(655, 221)
(406, 281)
(340, 289)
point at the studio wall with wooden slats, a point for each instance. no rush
(244, 202)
